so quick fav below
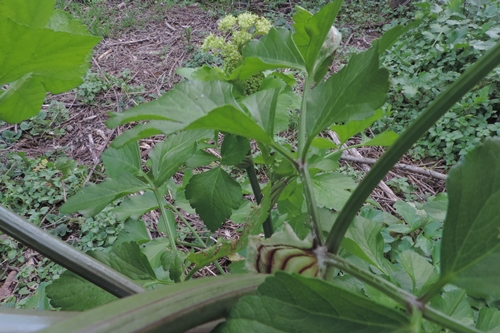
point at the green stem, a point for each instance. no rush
(285, 153)
(472, 76)
(67, 256)
(159, 199)
(221, 271)
(254, 182)
(303, 120)
(433, 290)
(409, 301)
(189, 226)
(312, 207)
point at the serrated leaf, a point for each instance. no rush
(353, 127)
(127, 259)
(364, 240)
(232, 120)
(233, 149)
(154, 250)
(133, 230)
(214, 195)
(274, 50)
(488, 320)
(353, 93)
(174, 262)
(124, 159)
(91, 199)
(262, 106)
(470, 249)
(135, 206)
(330, 189)
(280, 306)
(310, 35)
(186, 102)
(34, 59)
(169, 155)
(409, 214)
(73, 293)
(421, 272)
(200, 158)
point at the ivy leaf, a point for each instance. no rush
(35, 59)
(351, 94)
(71, 292)
(169, 155)
(330, 189)
(91, 199)
(274, 50)
(234, 148)
(124, 159)
(213, 194)
(470, 249)
(311, 34)
(280, 306)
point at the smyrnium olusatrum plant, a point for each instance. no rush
(363, 290)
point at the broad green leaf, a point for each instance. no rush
(233, 149)
(353, 93)
(62, 21)
(454, 304)
(124, 159)
(73, 293)
(310, 35)
(383, 139)
(488, 320)
(470, 249)
(154, 250)
(39, 300)
(281, 305)
(262, 106)
(31, 13)
(135, 206)
(133, 230)
(232, 120)
(421, 272)
(200, 158)
(91, 199)
(409, 214)
(364, 240)
(186, 102)
(214, 195)
(353, 127)
(169, 155)
(34, 59)
(127, 259)
(274, 50)
(437, 207)
(174, 262)
(331, 189)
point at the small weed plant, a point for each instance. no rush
(326, 259)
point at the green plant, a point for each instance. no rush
(452, 35)
(356, 287)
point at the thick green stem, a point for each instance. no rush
(67, 256)
(472, 76)
(303, 120)
(163, 217)
(254, 182)
(409, 301)
(312, 207)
